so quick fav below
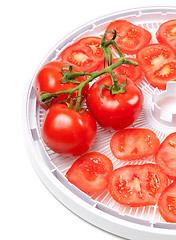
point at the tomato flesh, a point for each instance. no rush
(159, 64)
(90, 172)
(154, 55)
(85, 53)
(166, 156)
(134, 143)
(137, 185)
(167, 33)
(167, 203)
(130, 38)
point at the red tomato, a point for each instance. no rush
(131, 38)
(49, 77)
(167, 33)
(86, 53)
(115, 111)
(159, 64)
(90, 172)
(134, 143)
(129, 71)
(66, 131)
(166, 156)
(137, 185)
(167, 203)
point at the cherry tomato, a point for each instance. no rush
(166, 156)
(137, 185)
(167, 33)
(90, 172)
(67, 131)
(167, 203)
(134, 143)
(49, 77)
(130, 38)
(159, 64)
(86, 53)
(129, 71)
(115, 111)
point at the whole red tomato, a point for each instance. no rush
(115, 111)
(49, 77)
(67, 131)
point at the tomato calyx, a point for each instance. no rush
(69, 76)
(115, 88)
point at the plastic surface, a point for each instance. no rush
(164, 105)
(100, 209)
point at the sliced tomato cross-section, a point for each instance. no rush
(130, 38)
(90, 172)
(166, 156)
(85, 53)
(159, 64)
(137, 185)
(167, 203)
(134, 143)
(167, 33)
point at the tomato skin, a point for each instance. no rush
(166, 156)
(66, 131)
(134, 143)
(90, 172)
(115, 111)
(127, 70)
(137, 185)
(159, 64)
(131, 38)
(167, 34)
(85, 53)
(48, 79)
(167, 203)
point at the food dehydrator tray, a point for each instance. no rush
(100, 209)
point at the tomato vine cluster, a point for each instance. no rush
(113, 101)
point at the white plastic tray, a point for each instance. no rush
(101, 210)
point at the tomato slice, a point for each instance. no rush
(90, 172)
(129, 71)
(166, 73)
(167, 33)
(167, 203)
(86, 53)
(155, 55)
(131, 38)
(137, 185)
(134, 143)
(159, 64)
(166, 156)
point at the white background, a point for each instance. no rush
(29, 29)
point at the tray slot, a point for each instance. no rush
(72, 188)
(121, 216)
